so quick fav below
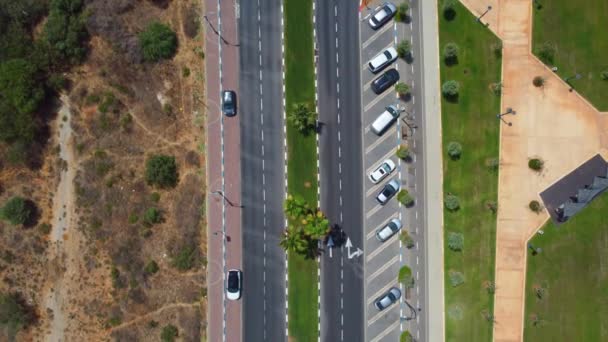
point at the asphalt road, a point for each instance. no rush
(342, 305)
(262, 169)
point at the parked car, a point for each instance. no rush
(385, 81)
(385, 120)
(383, 59)
(382, 15)
(389, 230)
(382, 171)
(234, 284)
(389, 190)
(229, 102)
(387, 299)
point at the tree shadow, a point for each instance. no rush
(449, 14)
(451, 98)
(451, 61)
(34, 216)
(408, 58)
(406, 97)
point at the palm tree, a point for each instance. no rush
(402, 88)
(293, 241)
(302, 117)
(404, 48)
(316, 225)
(295, 207)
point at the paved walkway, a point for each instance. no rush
(223, 170)
(552, 123)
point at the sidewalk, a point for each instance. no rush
(223, 171)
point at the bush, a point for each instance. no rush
(404, 48)
(449, 9)
(535, 206)
(454, 150)
(455, 241)
(185, 71)
(185, 258)
(133, 218)
(14, 313)
(538, 81)
(496, 88)
(456, 278)
(152, 216)
(405, 198)
(406, 336)
(402, 88)
(151, 267)
(536, 164)
(155, 197)
(402, 9)
(16, 211)
(452, 203)
(450, 89)
(546, 52)
(406, 239)
(161, 171)
(492, 164)
(403, 152)
(157, 42)
(302, 117)
(450, 52)
(65, 31)
(604, 75)
(169, 333)
(497, 49)
(405, 277)
(45, 228)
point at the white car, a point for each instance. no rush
(382, 15)
(234, 284)
(382, 171)
(389, 230)
(383, 59)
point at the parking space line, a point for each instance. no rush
(390, 133)
(373, 211)
(386, 331)
(380, 314)
(377, 99)
(383, 268)
(383, 246)
(374, 189)
(375, 36)
(373, 297)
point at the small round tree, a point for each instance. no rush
(157, 42)
(452, 202)
(450, 52)
(546, 52)
(535, 206)
(536, 164)
(449, 9)
(455, 241)
(402, 88)
(405, 198)
(16, 211)
(402, 10)
(454, 150)
(405, 277)
(161, 170)
(538, 81)
(403, 152)
(406, 336)
(450, 88)
(169, 333)
(404, 48)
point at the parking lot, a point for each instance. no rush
(383, 260)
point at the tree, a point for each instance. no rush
(456, 278)
(158, 42)
(406, 336)
(546, 52)
(161, 171)
(454, 150)
(405, 277)
(169, 333)
(535, 206)
(538, 81)
(404, 48)
(14, 313)
(455, 241)
(449, 9)
(406, 239)
(151, 267)
(65, 31)
(405, 198)
(402, 10)
(450, 52)
(302, 117)
(295, 207)
(16, 211)
(152, 216)
(293, 240)
(452, 203)
(402, 88)
(403, 152)
(316, 225)
(536, 164)
(450, 89)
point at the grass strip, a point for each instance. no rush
(471, 121)
(302, 162)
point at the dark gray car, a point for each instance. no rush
(385, 80)
(387, 299)
(229, 102)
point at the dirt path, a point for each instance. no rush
(63, 209)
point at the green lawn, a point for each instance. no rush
(570, 268)
(302, 163)
(579, 31)
(471, 121)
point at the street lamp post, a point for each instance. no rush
(507, 112)
(484, 13)
(224, 234)
(219, 192)
(215, 30)
(409, 117)
(567, 80)
(535, 250)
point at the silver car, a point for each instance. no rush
(382, 15)
(388, 191)
(389, 230)
(388, 299)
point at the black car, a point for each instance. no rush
(385, 81)
(229, 102)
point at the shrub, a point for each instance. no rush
(406, 239)
(185, 258)
(404, 48)
(449, 9)
(169, 333)
(151, 267)
(133, 218)
(454, 150)
(456, 278)
(496, 88)
(152, 216)
(490, 287)
(405, 198)
(452, 202)
(536, 164)
(455, 241)
(450, 89)
(157, 42)
(155, 197)
(161, 170)
(497, 49)
(406, 336)
(546, 52)
(538, 81)
(302, 117)
(492, 164)
(402, 88)
(65, 31)
(403, 152)
(604, 75)
(535, 206)
(16, 211)
(14, 313)
(450, 52)
(405, 277)
(402, 9)
(185, 71)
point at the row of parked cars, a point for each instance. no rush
(382, 15)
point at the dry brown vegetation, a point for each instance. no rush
(123, 111)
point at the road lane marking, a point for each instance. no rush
(374, 36)
(382, 269)
(383, 246)
(386, 331)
